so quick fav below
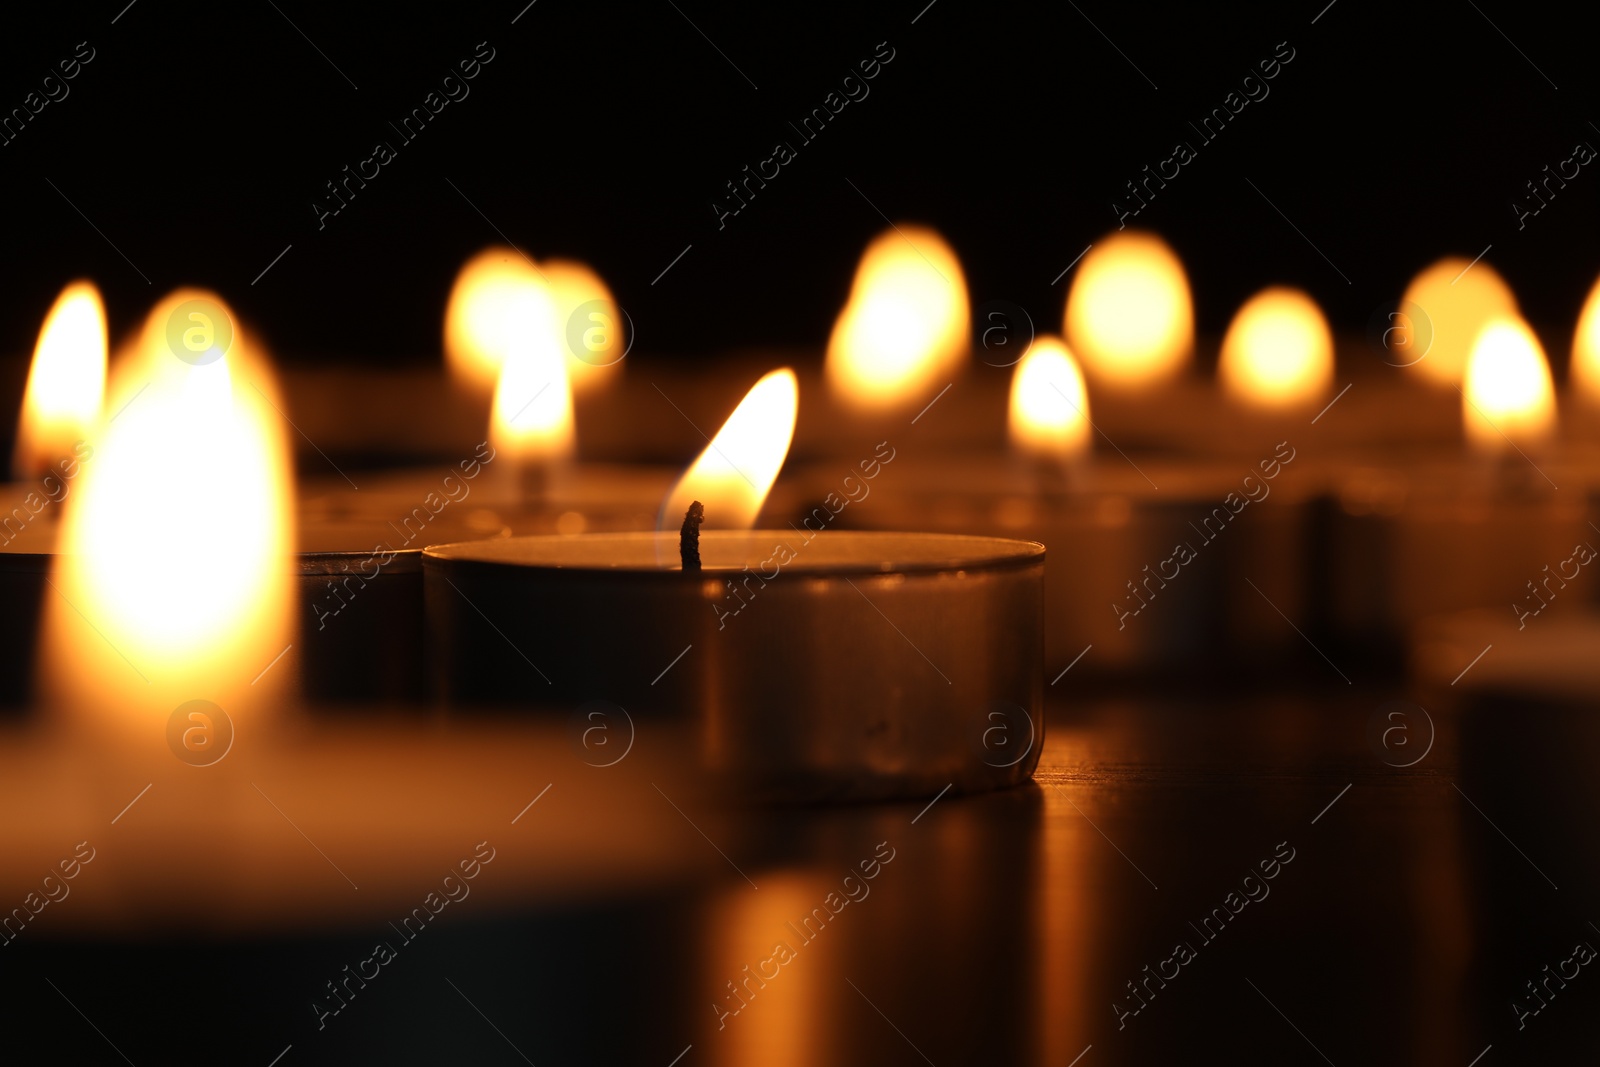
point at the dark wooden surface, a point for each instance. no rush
(1418, 902)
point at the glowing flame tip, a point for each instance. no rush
(734, 474)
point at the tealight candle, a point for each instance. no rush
(1438, 534)
(824, 666)
(1168, 582)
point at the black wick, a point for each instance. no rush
(689, 536)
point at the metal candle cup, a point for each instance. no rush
(842, 666)
(24, 580)
(359, 570)
(1431, 537)
(1143, 606)
(358, 587)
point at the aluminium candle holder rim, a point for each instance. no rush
(27, 562)
(344, 562)
(307, 564)
(602, 549)
(837, 680)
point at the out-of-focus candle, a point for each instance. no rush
(531, 421)
(66, 383)
(590, 323)
(1129, 317)
(1278, 352)
(497, 298)
(184, 580)
(1048, 417)
(1586, 349)
(1442, 311)
(905, 327)
(1507, 399)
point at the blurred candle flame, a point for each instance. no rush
(1278, 351)
(1129, 315)
(1049, 409)
(1456, 298)
(906, 324)
(735, 472)
(1508, 399)
(1586, 349)
(531, 418)
(498, 296)
(175, 567)
(589, 323)
(66, 382)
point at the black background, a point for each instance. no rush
(199, 136)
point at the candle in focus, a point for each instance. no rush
(735, 472)
(1442, 311)
(813, 666)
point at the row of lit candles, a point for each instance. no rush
(1128, 325)
(536, 334)
(200, 443)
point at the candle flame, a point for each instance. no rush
(498, 296)
(1278, 352)
(1458, 298)
(66, 383)
(590, 323)
(531, 418)
(1049, 411)
(174, 570)
(734, 474)
(1129, 315)
(905, 326)
(1508, 399)
(1586, 348)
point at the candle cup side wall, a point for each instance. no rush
(821, 688)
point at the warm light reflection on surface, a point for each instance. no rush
(1069, 924)
(66, 382)
(498, 298)
(904, 329)
(175, 570)
(1456, 298)
(766, 980)
(1278, 352)
(1129, 315)
(383, 797)
(1508, 399)
(589, 323)
(1049, 409)
(1586, 349)
(734, 474)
